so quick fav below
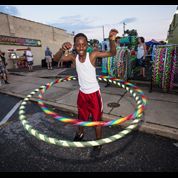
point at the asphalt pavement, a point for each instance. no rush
(22, 152)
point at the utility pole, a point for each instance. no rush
(124, 28)
(103, 32)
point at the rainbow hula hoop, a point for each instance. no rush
(65, 143)
(126, 85)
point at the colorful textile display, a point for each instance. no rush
(164, 57)
(122, 63)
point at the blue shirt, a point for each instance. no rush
(48, 52)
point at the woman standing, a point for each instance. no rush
(141, 54)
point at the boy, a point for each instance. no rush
(89, 99)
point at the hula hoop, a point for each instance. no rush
(139, 110)
(65, 143)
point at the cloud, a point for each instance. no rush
(128, 20)
(80, 24)
(9, 10)
(74, 23)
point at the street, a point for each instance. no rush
(20, 151)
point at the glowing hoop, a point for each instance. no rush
(126, 85)
(65, 143)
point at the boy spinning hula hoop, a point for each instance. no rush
(89, 100)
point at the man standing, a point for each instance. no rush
(48, 57)
(29, 58)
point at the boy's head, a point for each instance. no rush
(81, 43)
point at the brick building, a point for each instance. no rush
(18, 33)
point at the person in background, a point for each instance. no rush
(117, 41)
(29, 57)
(3, 73)
(114, 60)
(48, 57)
(2, 55)
(3, 67)
(141, 54)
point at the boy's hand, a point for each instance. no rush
(112, 34)
(66, 46)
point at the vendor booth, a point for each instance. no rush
(17, 57)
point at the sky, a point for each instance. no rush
(150, 21)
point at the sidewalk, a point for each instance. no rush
(161, 116)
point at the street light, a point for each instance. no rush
(103, 32)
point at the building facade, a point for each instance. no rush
(18, 34)
(173, 29)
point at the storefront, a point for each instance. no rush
(16, 56)
(17, 34)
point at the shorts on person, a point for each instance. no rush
(30, 63)
(48, 59)
(89, 105)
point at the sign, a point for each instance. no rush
(8, 40)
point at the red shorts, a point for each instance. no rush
(90, 104)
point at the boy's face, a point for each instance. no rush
(81, 46)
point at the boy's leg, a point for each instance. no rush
(81, 130)
(82, 114)
(98, 131)
(97, 149)
(96, 108)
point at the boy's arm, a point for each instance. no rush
(60, 54)
(112, 52)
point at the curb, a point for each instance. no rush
(145, 127)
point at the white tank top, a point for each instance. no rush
(86, 76)
(140, 52)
